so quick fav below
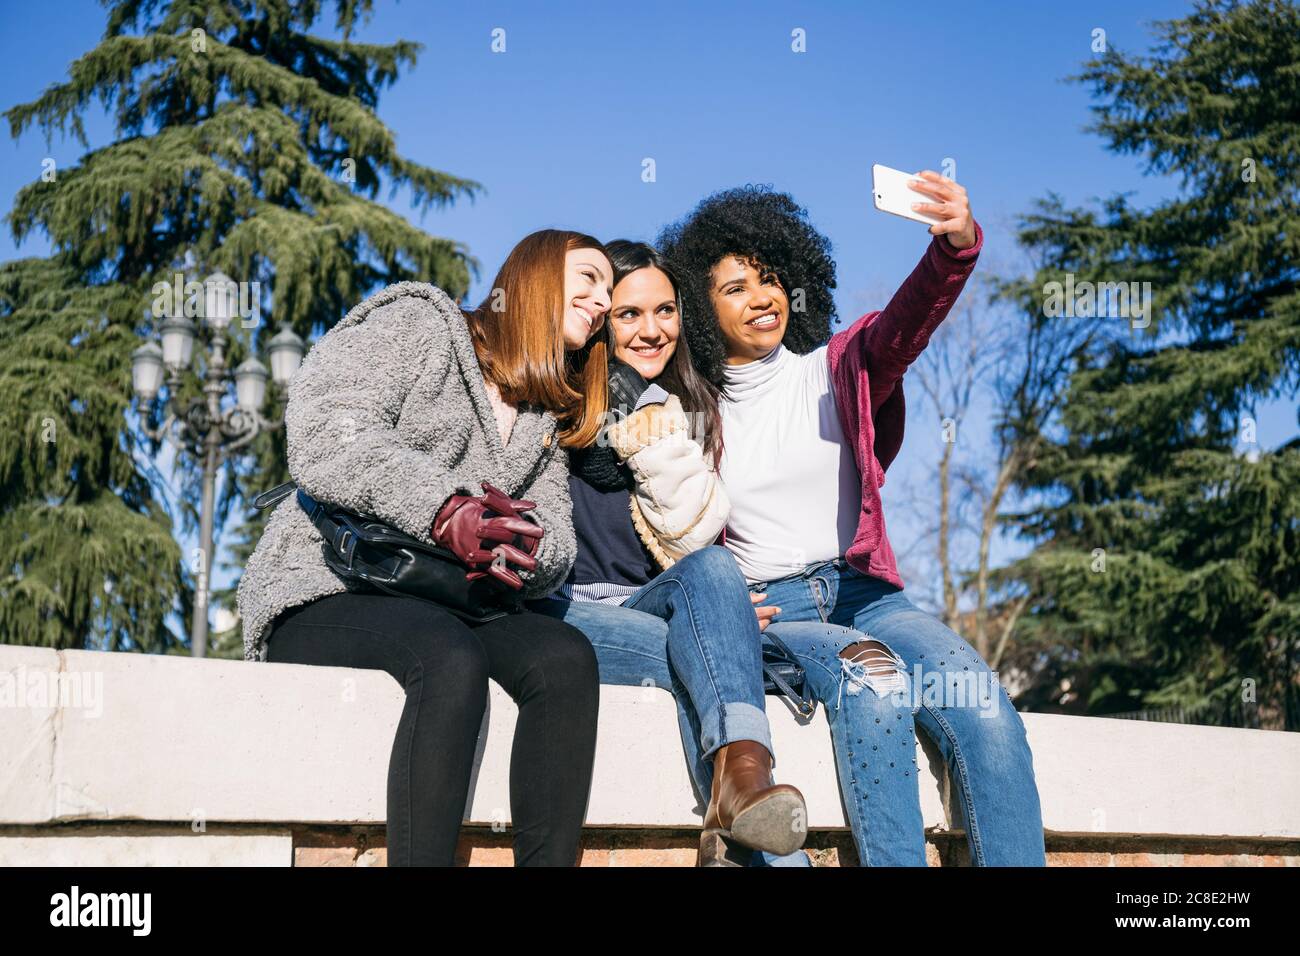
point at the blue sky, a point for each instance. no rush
(558, 126)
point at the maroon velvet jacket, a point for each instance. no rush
(867, 362)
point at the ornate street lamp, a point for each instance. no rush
(147, 371)
(285, 350)
(177, 342)
(210, 428)
(250, 384)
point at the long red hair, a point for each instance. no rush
(518, 334)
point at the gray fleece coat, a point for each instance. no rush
(389, 416)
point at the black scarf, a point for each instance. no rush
(598, 466)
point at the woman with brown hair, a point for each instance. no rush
(452, 427)
(661, 606)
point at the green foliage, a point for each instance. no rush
(85, 548)
(250, 145)
(1150, 472)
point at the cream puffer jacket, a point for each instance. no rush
(679, 504)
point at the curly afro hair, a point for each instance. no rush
(764, 228)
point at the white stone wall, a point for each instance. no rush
(88, 736)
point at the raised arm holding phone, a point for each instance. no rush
(810, 422)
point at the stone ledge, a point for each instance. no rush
(144, 844)
(173, 739)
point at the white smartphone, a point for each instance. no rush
(892, 194)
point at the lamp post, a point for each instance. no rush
(202, 426)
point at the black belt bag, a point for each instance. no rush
(784, 676)
(365, 551)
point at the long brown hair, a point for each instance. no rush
(697, 394)
(518, 333)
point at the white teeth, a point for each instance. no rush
(763, 322)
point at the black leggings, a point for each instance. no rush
(443, 663)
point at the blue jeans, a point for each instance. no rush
(940, 685)
(691, 631)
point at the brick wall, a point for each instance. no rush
(479, 846)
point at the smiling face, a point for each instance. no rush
(751, 306)
(645, 321)
(587, 279)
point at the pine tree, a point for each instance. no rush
(247, 144)
(1167, 569)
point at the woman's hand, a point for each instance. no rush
(952, 208)
(626, 385)
(487, 533)
(764, 614)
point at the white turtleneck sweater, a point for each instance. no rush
(794, 486)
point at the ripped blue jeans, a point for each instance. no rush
(917, 673)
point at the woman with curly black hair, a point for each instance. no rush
(810, 422)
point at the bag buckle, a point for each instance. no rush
(277, 494)
(344, 544)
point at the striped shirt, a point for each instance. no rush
(601, 592)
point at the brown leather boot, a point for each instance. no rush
(719, 850)
(748, 808)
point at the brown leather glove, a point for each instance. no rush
(488, 531)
